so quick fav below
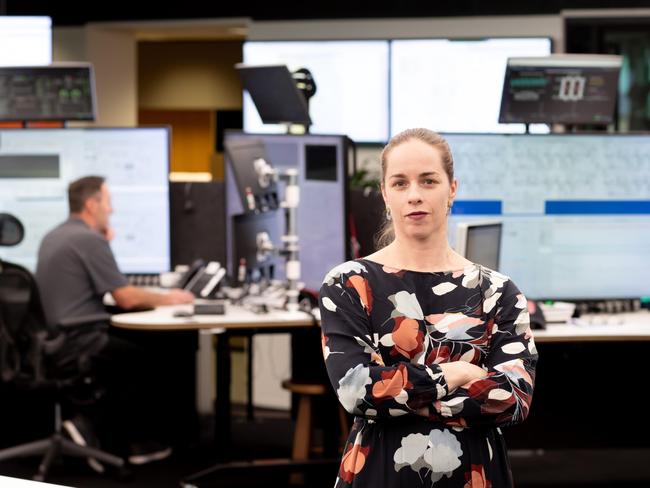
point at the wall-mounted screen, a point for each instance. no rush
(455, 85)
(36, 166)
(25, 40)
(56, 92)
(575, 209)
(351, 85)
(561, 89)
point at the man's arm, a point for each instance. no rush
(131, 297)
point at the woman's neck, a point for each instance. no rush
(430, 255)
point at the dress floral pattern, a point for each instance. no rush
(385, 333)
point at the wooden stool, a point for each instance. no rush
(303, 432)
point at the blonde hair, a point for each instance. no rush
(386, 234)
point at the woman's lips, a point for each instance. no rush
(417, 215)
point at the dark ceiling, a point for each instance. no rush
(79, 13)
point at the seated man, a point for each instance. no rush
(75, 269)
(76, 266)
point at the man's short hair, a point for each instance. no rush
(82, 189)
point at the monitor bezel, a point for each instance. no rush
(59, 65)
(561, 61)
(168, 131)
(462, 235)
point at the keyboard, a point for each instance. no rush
(144, 279)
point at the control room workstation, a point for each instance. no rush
(550, 194)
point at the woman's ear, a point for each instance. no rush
(453, 189)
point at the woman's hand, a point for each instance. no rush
(458, 373)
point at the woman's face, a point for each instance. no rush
(416, 189)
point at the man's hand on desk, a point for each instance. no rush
(132, 297)
(177, 296)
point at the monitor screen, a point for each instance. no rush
(455, 85)
(561, 89)
(480, 242)
(36, 166)
(25, 40)
(351, 85)
(575, 209)
(275, 94)
(47, 92)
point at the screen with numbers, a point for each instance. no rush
(560, 90)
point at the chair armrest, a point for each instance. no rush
(84, 320)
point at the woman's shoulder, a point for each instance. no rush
(354, 266)
(495, 278)
(492, 275)
(501, 289)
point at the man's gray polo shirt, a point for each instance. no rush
(76, 267)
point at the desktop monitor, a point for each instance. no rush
(55, 92)
(454, 85)
(561, 89)
(275, 94)
(250, 164)
(352, 79)
(480, 242)
(575, 209)
(36, 166)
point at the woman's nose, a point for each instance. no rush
(414, 194)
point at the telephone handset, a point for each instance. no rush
(194, 268)
(204, 281)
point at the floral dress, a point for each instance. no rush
(385, 333)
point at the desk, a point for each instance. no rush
(588, 387)
(625, 327)
(236, 321)
(162, 318)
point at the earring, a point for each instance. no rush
(388, 215)
(449, 205)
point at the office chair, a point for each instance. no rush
(31, 358)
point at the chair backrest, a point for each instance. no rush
(11, 230)
(24, 334)
(25, 339)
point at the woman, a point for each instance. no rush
(430, 352)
